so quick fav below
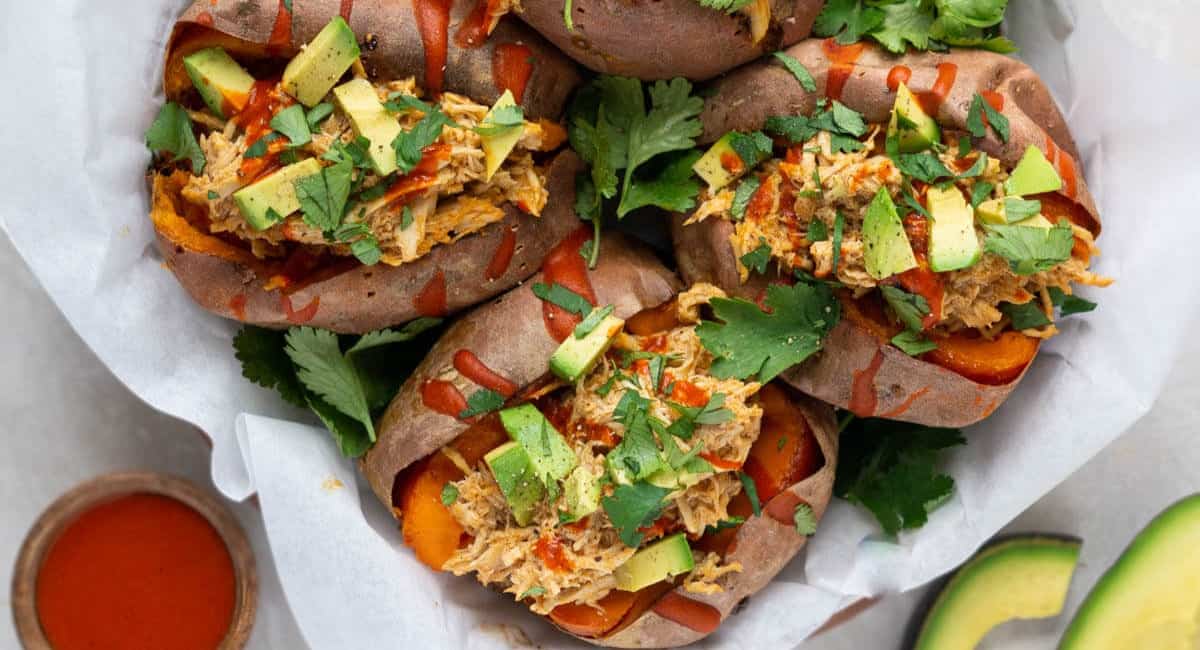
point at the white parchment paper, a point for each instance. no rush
(83, 79)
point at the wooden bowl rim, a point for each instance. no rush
(108, 487)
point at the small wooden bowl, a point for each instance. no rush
(113, 486)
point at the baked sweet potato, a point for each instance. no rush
(969, 374)
(505, 346)
(660, 40)
(479, 232)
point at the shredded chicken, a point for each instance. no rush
(454, 201)
(822, 183)
(505, 554)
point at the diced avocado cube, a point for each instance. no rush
(581, 491)
(223, 84)
(1039, 221)
(992, 211)
(888, 250)
(500, 141)
(276, 192)
(551, 456)
(316, 69)
(517, 479)
(1033, 175)
(720, 165)
(912, 128)
(370, 120)
(953, 243)
(576, 357)
(656, 562)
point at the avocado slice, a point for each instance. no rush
(575, 357)
(953, 243)
(581, 491)
(1151, 597)
(888, 251)
(992, 211)
(370, 120)
(911, 128)
(656, 562)
(316, 69)
(223, 84)
(1026, 576)
(1033, 175)
(517, 480)
(714, 165)
(549, 453)
(269, 200)
(498, 140)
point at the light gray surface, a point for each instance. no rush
(69, 419)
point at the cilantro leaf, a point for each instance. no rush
(172, 132)
(563, 297)
(796, 128)
(258, 148)
(757, 259)
(805, 519)
(449, 494)
(977, 13)
(904, 23)
(1016, 209)
(670, 125)
(742, 195)
(318, 114)
(637, 455)
(1069, 303)
(981, 192)
(798, 71)
(817, 230)
(632, 507)
(264, 362)
(389, 336)
(922, 166)
(401, 102)
(1030, 249)
(675, 188)
(410, 145)
(751, 492)
(750, 342)
(839, 224)
(482, 401)
(1025, 315)
(323, 196)
(912, 343)
(536, 590)
(752, 148)
(848, 20)
(323, 369)
(732, 522)
(728, 6)
(980, 107)
(910, 308)
(890, 468)
(292, 123)
(363, 243)
(351, 436)
(977, 168)
(592, 321)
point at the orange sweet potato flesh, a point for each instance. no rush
(786, 451)
(589, 621)
(993, 362)
(654, 320)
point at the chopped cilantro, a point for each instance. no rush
(318, 114)
(449, 494)
(503, 119)
(839, 224)
(975, 119)
(406, 218)
(534, 591)
(977, 168)
(817, 230)
(213, 196)
(563, 297)
(258, 148)
(363, 243)
(482, 401)
(981, 192)
(922, 166)
(1027, 315)
(400, 102)
(1030, 249)
(172, 132)
(910, 308)
(592, 321)
(292, 124)
(713, 412)
(741, 197)
(913, 343)
(632, 507)
(749, 342)
(728, 6)
(751, 492)
(410, 145)
(890, 468)
(752, 148)
(732, 522)
(798, 71)
(323, 196)
(1016, 209)
(757, 259)
(805, 519)
(1069, 303)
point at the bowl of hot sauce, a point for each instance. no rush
(135, 560)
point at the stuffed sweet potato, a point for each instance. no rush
(358, 164)
(939, 192)
(613, 483)
(668, 38)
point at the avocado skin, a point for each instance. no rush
(1171, 542)
(1006, 547)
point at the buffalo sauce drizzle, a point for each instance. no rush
(502, 257)
(842, 58)
(933, 99)
(565, 266)
(1065, 164)
(431, 300)
(345, 8)
(922, 280)
(443, 397)
(473, 31)
(433, 22)
(302, 315)
(281, 32)
(512, 65)
(552, 554)
(264, 102)
(862, 391)
(470, 366)
(898, 75)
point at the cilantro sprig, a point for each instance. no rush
(632, 507)
(918, 24)
(171, 132)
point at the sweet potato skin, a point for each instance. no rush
(389, 39)
(659, 40)
(857, 369)
(365, 298)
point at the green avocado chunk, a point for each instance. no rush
(911, 127)
(498, 141)
(316, 69)
(1033, 175)
(711, 166)
(1151, 597)
(1019, 577)
(517, 480)
(370, 120)
(550, 455)
(663, 559)
(581, 491)
(953, 243)
(269, 200)
(888, 251)
(223, 84)
(576, 357)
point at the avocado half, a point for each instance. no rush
(1151, 597)
(1020, 576)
